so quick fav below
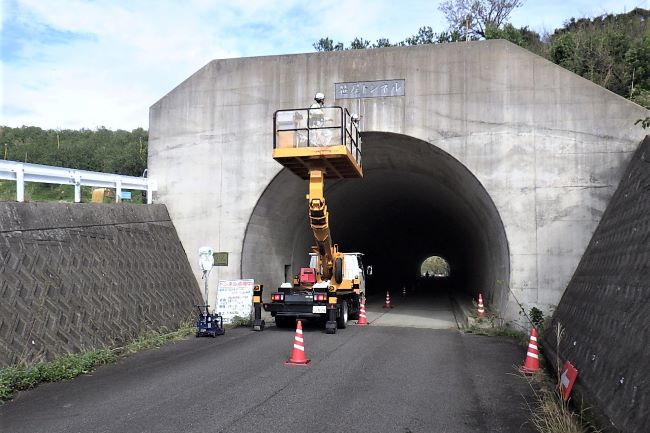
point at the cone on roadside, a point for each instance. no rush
(531, 363)
(404, 291)
(387, 301)
(363, 320)
(481, 309)
(298, 353)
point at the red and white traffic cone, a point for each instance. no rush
(298, 353)
(363, 320)
(481, 309)
(387, 301)
(531, 363)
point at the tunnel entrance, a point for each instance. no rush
(415, 200)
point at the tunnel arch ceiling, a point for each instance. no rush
(414, 201)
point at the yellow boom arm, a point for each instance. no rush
(319, 222)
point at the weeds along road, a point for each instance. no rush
(362, 379)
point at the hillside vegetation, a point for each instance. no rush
(612, 50)
(119, 152)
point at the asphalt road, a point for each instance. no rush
(387, 378)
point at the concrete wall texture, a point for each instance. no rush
(83, 276)
(530, 152)
(605, 310)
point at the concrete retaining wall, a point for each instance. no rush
(605, 309)
(81, 276)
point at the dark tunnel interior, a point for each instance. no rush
(413, 202)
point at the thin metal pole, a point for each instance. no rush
(20, 183)
(118, 190)
(77, 188)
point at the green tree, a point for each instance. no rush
(612, 50)
(473, 18)
(425, 35)
(359, 44)
(327, 44)
(638, 72)
(382, 43)
(120, 152)
(523, 37)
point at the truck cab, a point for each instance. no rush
(352, 268)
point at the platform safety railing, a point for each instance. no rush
(317, 127)
(24, 172)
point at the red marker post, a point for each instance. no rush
(567, 379)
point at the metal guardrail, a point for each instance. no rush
(23, 172)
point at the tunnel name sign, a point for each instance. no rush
(369, 89)
(235, 298)
(220, 259)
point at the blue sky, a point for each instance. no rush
(73, 64)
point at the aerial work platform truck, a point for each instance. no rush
(316, 144)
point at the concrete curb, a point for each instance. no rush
(463, 311)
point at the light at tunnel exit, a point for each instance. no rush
(434, 266)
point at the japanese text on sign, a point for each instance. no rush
(235, 298)
(369, 89)
(220, 259)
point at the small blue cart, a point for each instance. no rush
(208, 324)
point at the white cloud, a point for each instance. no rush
(132, 53)
(127, 59)
(105, 62)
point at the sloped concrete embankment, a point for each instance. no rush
(75, 277)
(605, 309)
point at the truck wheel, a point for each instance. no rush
(342, 320)
(338, 270)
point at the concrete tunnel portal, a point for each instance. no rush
(414, 201)
(504, 177)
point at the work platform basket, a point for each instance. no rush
(326, 138)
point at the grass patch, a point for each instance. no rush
(499, 331)
(18, 378)
(156, 339)
(494, 326)
(549, 413)
(238, 321)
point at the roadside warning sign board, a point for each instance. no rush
(235, 298)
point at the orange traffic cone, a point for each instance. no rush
(298, 353)
(363, 320)
(481, 310)
(387, 301)
(531, 363)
